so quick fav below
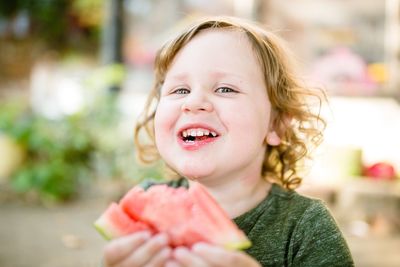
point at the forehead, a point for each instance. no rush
(220, 50)
(220, 35)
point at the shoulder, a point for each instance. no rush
(305, 213)
(296, 204)
(315, 238)
(296, 230)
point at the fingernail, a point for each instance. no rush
(199, 247)
(166, 252)
(161, 239)
(180, 251)
(171, 264)
(145, 235)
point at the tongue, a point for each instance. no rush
(200, 138)
(197, 138)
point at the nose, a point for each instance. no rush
(196, 102)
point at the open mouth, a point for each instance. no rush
(193, 135)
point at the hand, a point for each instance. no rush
(205, 255)
(138, 249)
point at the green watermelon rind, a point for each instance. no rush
(238, 245)
(101, 230)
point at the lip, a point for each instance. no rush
(191, 146)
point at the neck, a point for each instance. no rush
(237, 196)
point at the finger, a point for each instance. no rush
(172, 263)
(147, 251)
(212, 254)
(188, 259)
(120, 248)
(204, 249)
(218, 256)
(160, 259)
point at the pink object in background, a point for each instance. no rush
(343, 72)
(381, 171)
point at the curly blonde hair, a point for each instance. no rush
(299, 128)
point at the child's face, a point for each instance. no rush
(214, 87)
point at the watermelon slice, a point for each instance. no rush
(116, 223)
(187, 216)
(214, 219)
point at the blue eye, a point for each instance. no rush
(225, 90)
(181, 91)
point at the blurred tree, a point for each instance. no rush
(111, 43)
(60, 23)
(31, 28)
(112, 37)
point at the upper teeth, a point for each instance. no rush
(197, 132)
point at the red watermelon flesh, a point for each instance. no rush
(136, 200)
(170, 205)
(188, 216)
(174, 206)
(114, 222)
(213, 219)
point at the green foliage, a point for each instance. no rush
(107, 77)
(58, 153)
(67, 155)
(114, 156)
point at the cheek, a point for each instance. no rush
(161, 118)
(159, 126)
(164, 122)
(251, 126)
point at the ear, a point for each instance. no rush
(273, 139)
(277, 129)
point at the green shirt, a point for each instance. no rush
(287, 229)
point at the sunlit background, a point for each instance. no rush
(74, 75)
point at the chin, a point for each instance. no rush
(194, 171)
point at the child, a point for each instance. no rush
(227, 112)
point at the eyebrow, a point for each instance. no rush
(178, 77)
(217, 74)
(221, 74)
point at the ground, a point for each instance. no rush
(50, 237)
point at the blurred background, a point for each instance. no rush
(74, 75)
